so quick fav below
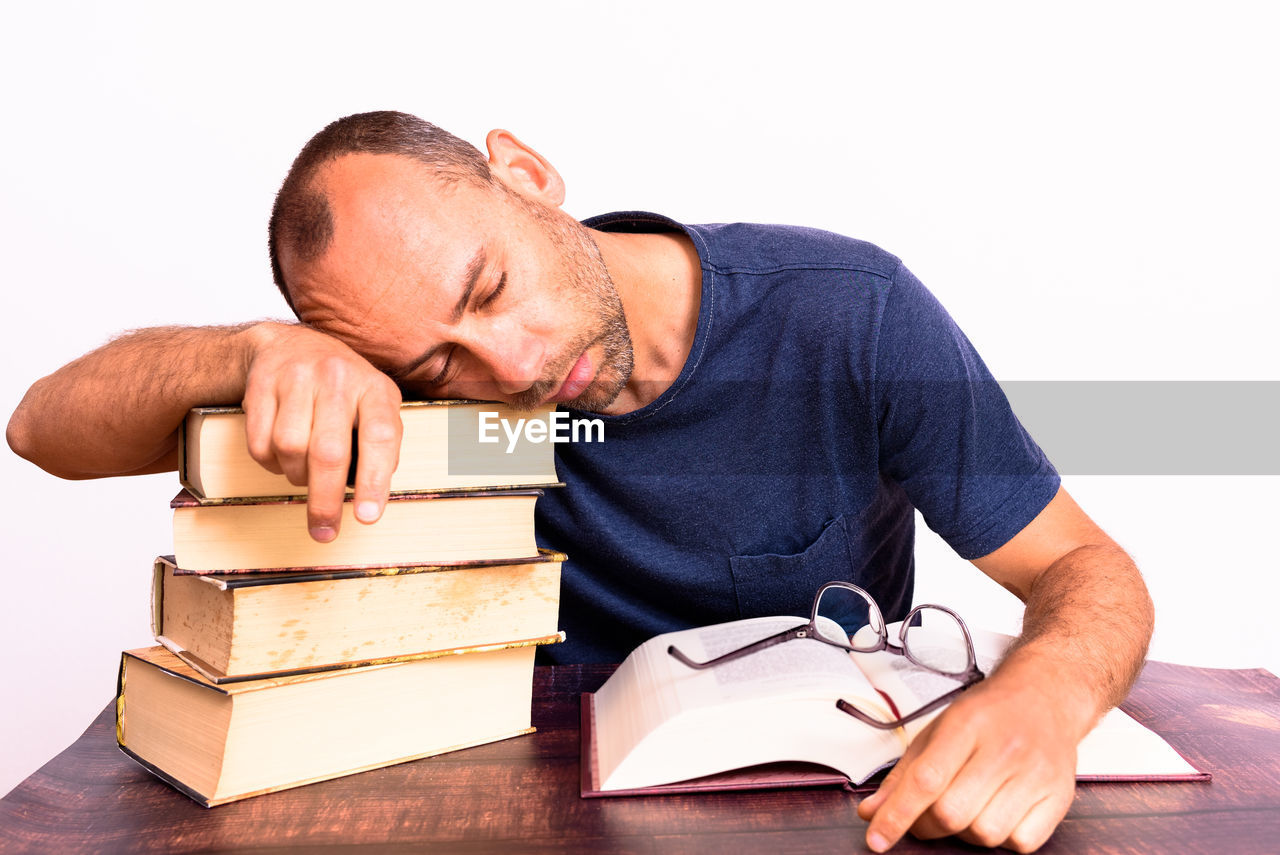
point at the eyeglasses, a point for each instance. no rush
(932, 637)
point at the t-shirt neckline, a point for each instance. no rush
(645, 222)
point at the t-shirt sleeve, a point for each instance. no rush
(947, 435)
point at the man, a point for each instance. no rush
(776, 401)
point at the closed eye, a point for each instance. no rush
(494, 294)
(443, 376)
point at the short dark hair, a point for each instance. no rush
(301, 218)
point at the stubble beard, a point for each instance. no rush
(588, 279)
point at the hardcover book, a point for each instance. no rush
(770, 719)
(439, 450)
(222, 743)
(240, 626)
(427, 528)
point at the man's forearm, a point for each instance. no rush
(116, 410)
(1085, 632)
(998, 766)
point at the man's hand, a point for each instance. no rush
(304, 394)
(996, 768)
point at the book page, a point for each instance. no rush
(1121, 747)
(1117, 747)
(659, 720)
(800, 666)
(911, 686)
(919, 685)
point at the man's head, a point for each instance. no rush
(456, 274)
(302, 220)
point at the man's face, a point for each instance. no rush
(462, 291)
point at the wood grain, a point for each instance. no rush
(522, 794)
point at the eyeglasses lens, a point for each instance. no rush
(937, 641)
(841, 612)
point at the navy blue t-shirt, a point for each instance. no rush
(826, 395)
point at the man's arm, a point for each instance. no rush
(117, 410)
(998, 766)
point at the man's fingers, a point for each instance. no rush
(1008, 821)
(868, 806)
(305, 392)
(378, 435)
(259, 422)
(921, 779)
(970, 792)
(328, 461)
(1039, 823)
(993, 825)
(291, 430)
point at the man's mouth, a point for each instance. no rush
(577, 381)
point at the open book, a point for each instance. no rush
(657, 725)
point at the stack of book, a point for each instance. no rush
(283, 661)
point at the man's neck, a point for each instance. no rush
(659, 279)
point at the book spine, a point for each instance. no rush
(124, 658)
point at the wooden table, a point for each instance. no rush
(522, 794)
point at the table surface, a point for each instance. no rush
(522, 794)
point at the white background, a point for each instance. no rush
(1091, 190)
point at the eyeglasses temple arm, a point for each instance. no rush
(801, 631)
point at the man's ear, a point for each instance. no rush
(523, 169)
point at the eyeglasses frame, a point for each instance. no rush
(969, 676)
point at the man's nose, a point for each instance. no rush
(516, 360)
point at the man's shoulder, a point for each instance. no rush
(762, 247)
(767, 248)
